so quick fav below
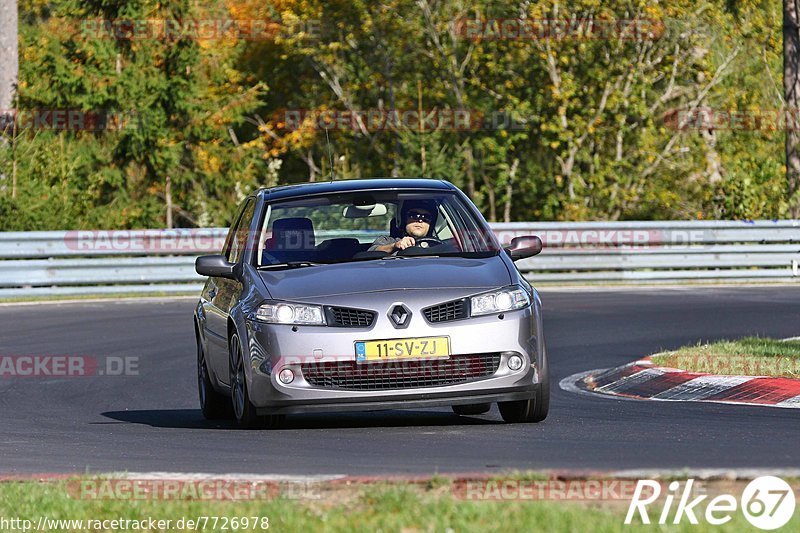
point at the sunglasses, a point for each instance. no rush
(416, 216)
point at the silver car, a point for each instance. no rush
(366, 295)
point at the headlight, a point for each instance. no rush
(291, 313)
(499, 301)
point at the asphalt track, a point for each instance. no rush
(150, 421)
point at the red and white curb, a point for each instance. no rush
(643, 380)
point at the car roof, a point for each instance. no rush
(325, 187)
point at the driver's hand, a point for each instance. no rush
(404, 243)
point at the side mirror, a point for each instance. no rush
(522, 247)
(216, 266)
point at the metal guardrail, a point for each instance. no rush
(151, 261)
(655, 252)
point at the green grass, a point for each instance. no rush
(750, 356)
(375, 507)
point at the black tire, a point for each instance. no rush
(215, 406)
(472, 409)
(534, 409)
(243, 410)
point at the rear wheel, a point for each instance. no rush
(213, 404)
(472, 409)
(534, 409)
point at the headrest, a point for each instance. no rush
(293, 234)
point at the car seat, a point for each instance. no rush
(292, 240)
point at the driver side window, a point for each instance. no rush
(238, 236)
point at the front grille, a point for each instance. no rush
(455, 310)
(345, 317)
(349, 375)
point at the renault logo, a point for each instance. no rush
(400, 316)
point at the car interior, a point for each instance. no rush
(294, 239)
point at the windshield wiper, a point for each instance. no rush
(290, 264)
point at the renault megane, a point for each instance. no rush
(366, 295)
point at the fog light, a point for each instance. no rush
(286, 376)
(515, 362)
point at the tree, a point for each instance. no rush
(9, 60)
(791, 88)
(9, 68)
(595, 115)
(173, 157)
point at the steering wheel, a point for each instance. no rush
(421, 246)
(427, 242)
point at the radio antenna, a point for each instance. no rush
(330, 153)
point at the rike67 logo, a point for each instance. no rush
(767, 502)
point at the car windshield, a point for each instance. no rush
(349, 226)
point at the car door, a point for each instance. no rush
(221, 294)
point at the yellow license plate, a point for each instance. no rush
(414, 348)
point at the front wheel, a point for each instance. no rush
(531, 410)
(243, 410)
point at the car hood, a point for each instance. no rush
(386, 275)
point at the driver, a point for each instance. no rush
(419, 217)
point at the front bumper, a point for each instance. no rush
(416, 401)
(275, 347)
